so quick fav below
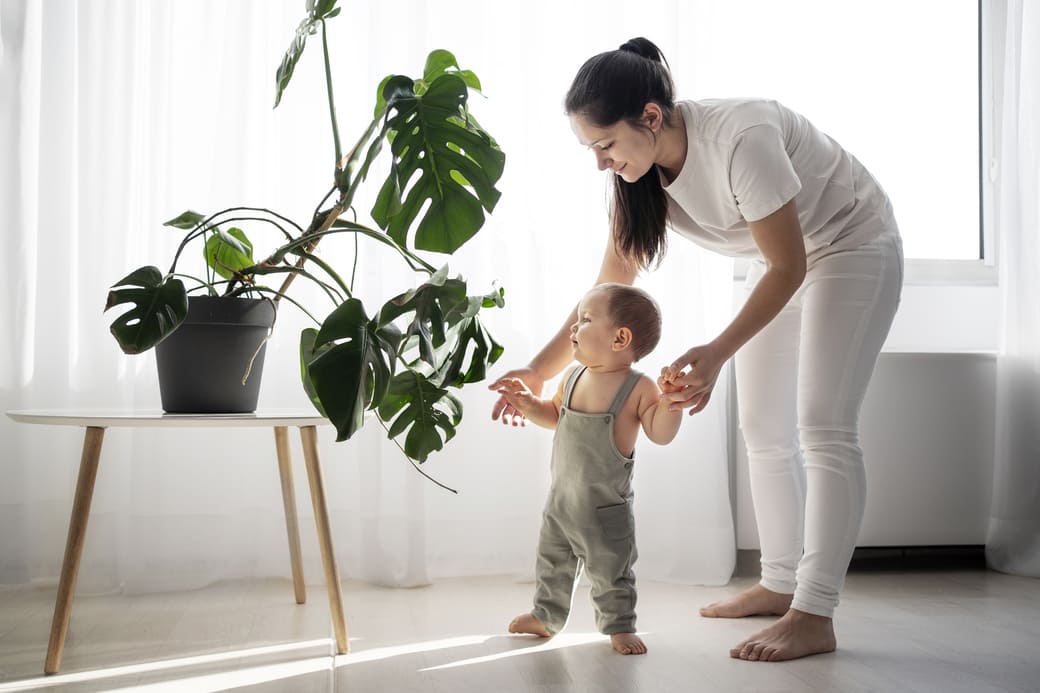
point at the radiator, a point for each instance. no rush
(927, 433)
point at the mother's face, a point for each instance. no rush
(626, 150)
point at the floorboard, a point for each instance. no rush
(949, 631)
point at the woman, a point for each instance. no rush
(750, 178)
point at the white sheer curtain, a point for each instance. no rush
(118, 115)
(1013, 543)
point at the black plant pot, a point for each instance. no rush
(203, 365)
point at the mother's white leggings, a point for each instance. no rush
(800, 383)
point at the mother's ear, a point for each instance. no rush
(653, 117)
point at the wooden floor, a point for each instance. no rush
(922, 631)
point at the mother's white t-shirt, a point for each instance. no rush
(746, 158)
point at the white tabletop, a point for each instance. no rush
(104, 418)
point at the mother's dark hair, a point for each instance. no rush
(615, 86)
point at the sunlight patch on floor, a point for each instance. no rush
(161, 665)
(378, 653)
(555, 643)
(226, 680)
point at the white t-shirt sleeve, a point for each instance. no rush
(761, 174)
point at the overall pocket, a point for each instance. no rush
(616, 520)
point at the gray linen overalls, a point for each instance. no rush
(588, 520)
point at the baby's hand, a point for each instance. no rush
(513, 386)
(516, 393)
(667, 380)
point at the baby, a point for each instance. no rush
(597, 412)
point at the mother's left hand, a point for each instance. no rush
(697, 383)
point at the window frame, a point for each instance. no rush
(983, 271)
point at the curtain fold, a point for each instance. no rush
(1013, 541)
(119, 115)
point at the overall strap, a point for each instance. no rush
(624, 391)
(568, 388)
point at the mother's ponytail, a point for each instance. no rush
(615, 86)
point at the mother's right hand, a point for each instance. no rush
(508, 413)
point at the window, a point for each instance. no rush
(895, 82)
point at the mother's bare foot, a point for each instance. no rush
(796, 634)
(628, 643)
(526, 623)
(757, 601)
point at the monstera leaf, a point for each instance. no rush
(317, 10)
(438, 62)
(349, 362)
(428, 413)
(446, 328)
(468, 336)
(430, 303)
(160, 305)
(228, 252)
(186, 220)
(308, 353)
(443, 160)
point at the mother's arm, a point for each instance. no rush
(779, 238)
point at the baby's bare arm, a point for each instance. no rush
(660, 424)
(544, 412)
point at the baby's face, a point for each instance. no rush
(592, 336)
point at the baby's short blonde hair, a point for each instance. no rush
(635, 309)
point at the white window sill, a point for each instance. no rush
(950, 272)
(927, 272)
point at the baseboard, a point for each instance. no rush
(895, 558)
(747, 563)
(960, 557)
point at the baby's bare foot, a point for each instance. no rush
(757, 601)
(526, 623)
(796, 634)
(628, 643)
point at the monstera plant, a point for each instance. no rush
(401, 359)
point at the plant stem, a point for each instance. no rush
(328, 270)
(202, 283)
(353, 270)
(317, 210)
(290, 299)
(348, 163)
(325, 224)
(272, 222)
(347, 226)
(328, 88)
(343, 204)
(203, 227)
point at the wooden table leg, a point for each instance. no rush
(88, 467)
(309, 437)
(292, 525)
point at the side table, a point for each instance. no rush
(95, 424)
